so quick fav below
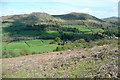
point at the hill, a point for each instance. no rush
(46, 46)
(112, 20)
(78, 16)
(17, 27)
(39, 18)
(33, 18)
(88, 63)
(26, 31)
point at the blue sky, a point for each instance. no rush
(98, 8)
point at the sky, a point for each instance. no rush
(98, 8)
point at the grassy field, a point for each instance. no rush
(5, 25)
(20, 31)
(37, 46)
(16, 32)
(31, 45)
(0, 45)
(84, 28)
(44, 48)
(31, 32)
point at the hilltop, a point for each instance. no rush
(42, 18)
(111, 18)
(78, 16)
(33, 18)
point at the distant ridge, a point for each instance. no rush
(113, 20)
(78, 16)
(41, 17)
(35, 17)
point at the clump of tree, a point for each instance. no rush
(81, 43)
(57, 41)
(9, 53)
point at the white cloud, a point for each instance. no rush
(90, 3)
(1, 13)
(82, 6)
(98, 13)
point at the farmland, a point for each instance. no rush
(84, 28)
(38, 41)
(74, 45)
(34, 45)
(38, 46)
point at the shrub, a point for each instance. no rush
(57, 39)
(15, 54)
(34, 53)
(59, 48)
(53, 42)
(91, 44)
(85, 45)
(78, 44)
(102, 42)
(6, 54)
(68, 45)
(25, 52)
(80, 41)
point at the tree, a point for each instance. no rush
(57, 39)
(59, 48)
(81, 41)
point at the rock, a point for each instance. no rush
(118, 75)
(98, 52)
(107, 76)
(116, 50)
(94, 56)
(83, 56)
(61, 53)
(57, 53)
(101, 57)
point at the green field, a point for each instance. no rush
(31, 32)
(5, 25)
(36, 45)
(31, 45)
(20, 31)
(38, 33)
(0, 43)
(44, 48)
(84, 28)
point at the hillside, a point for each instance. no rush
(78, 16)
(43, 18)
(38, 18)
(112, 20)
(96, 62)
(37, 33)
(33, 18)
(75, 45)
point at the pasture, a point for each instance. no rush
(84, 28)
(31, 45)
